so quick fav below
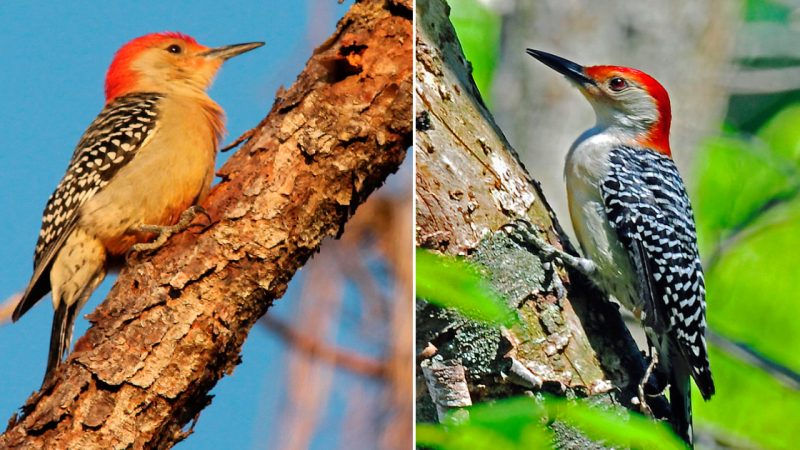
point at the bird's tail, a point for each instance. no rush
(60, 336)
(680, 399)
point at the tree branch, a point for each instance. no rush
(321, 351)
(7, 307)
(174, 323)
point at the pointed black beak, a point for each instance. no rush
(569, 69)
(229, 51)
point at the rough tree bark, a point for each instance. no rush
(174, 323)
(469, 184)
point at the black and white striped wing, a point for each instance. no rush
(109, 143)
(647, 205)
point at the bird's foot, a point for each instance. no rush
(526, 232)
(164, 232)
(643, 406)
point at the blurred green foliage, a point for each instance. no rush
(454, 283)
(521, 423)
(751, 409)
(478, 30)
(766, 40)
(748, 217)
(767, 11)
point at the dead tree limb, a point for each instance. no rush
(175, 322)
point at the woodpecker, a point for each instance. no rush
(634, 222)
(143, 163)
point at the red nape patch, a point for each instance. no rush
(120, 79)
(658, 136)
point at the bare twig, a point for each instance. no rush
(781, 373)
(246, 136)
(353, 362)
(7, 307)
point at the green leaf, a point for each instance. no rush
(620, 429)
(478, 30)
(752, 290)
(767, 11)
(736, 180)
(453, 283)
(520, 423)
(466, 438)
(509, 417)
(749, 403)
(514, 423)
(782, 134)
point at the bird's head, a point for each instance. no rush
(629, 100)
(167, 63)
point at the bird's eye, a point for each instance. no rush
(617, 84)
(174, 48)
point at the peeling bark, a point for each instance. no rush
(175, 322)
(447, 385)
(469, 184)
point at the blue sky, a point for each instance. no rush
(55, 56)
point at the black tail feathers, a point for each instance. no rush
(680, 400)
(60, 337)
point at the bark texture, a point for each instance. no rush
(175, 322)
(469, 184)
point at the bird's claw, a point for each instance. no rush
(528, 233)
(164, 232)
(642, 398)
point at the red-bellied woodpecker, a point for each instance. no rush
(633, 220)
(145, 161)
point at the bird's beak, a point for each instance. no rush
(229, 51)
(574, 72)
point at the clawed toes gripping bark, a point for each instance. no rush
(642, 398)
(525, 232)
(164, 232)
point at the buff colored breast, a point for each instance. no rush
(177, 164)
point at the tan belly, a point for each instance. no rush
(171, 172)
